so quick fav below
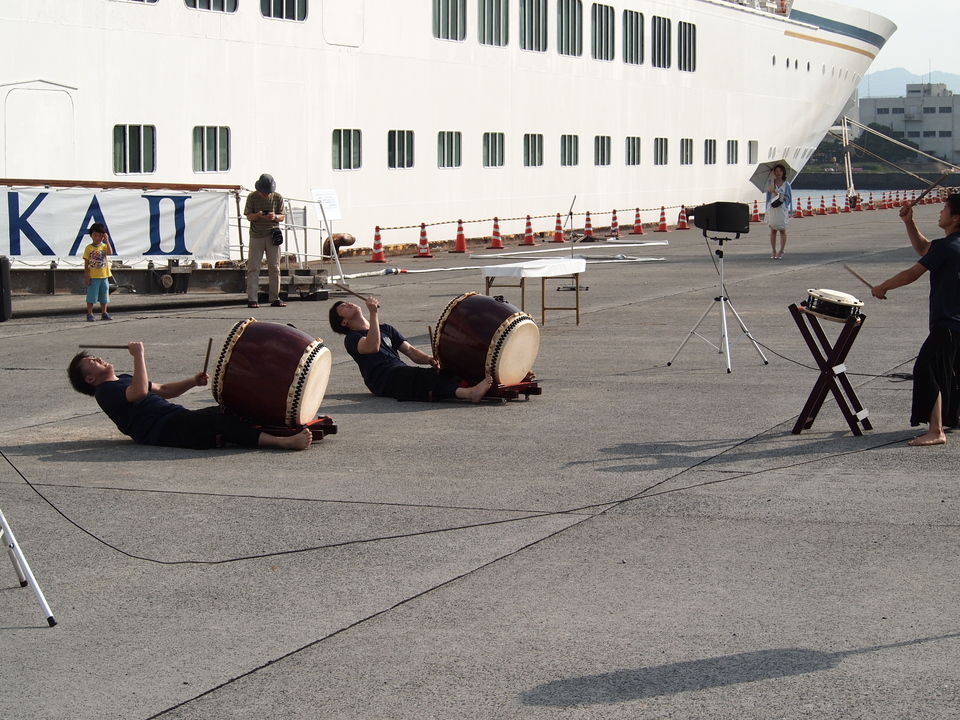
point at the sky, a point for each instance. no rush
(921, 42)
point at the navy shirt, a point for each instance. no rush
(376, 367)
(141, 420)
(943, 262)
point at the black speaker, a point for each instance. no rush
(725, 217)
(6, 309)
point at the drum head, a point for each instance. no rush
(513, 355)
(310, 385)
(835, 296)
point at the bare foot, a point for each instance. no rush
(300, 441)
(931, 438)
(476, 393)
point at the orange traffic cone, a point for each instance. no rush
(662, 227)
(823, 207)
(846, 204)
(799, 211)
(423, 251)
(858, 204)
(809, 206)
(528, 234)
(614, 226)
(558, 231)
(637, 225)
(870, 205)
(833, 208)
(377, 248)
(461, 246)
(682, 220)
(756, 213)
(588, 226)
(496, 242)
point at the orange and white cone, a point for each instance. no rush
(637, 225)
(846, 204)
(662, 227)
(614, 226)
(423, 251)
(823, 207)
(682, 219)
(833, 208)
(799, 211)
(528, 234)
(755, 218)
(858, 205)
(870, 205)
(588, 226)
(377, 248)
(496, 242)
(558, 231)
(461, 244)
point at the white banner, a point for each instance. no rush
(52, 223)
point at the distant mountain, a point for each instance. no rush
(893, 83)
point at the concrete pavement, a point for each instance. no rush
(638, 541)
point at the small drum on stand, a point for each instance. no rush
(478, 335)
(272, 374)
(831, 305)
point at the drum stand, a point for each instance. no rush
(20, 566)
(832, 371)
(724, 303)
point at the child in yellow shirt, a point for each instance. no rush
(96, 270)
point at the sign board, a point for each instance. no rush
(327, 199)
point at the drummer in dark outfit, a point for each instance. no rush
(376, 348)
(936, 393)
(139, 408)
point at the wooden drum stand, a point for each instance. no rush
(833, 372)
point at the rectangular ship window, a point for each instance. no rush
(733, 152)
(660, 151)
(632, 37)
(660, 42)
(450, 19)
(400, 149)
(602, 39)
(493, 22)
(347, 149)
(601, 150)
(569, 150)
(632, 153)
(284, 9)
(228, 6)
(533, 150)
(709, 152)
(686, 47)
(686, 151)
(211, 149)
(533, 25)
(448, 148)
(493, 143)
(134, 149)
(570, 27)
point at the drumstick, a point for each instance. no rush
(104, 347)
(206, 360)
(924, 193)
(346, 289)
(857, 275)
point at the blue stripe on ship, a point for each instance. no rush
(839, 28)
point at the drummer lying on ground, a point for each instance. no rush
(139, 408)
(376, 346)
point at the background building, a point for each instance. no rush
(929, 116)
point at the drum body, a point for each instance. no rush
(832, 305)
(271, 374)
(478, 335)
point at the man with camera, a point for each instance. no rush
(264, 210)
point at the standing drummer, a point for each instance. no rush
(376, 348)
(140, 408)
(936, 393)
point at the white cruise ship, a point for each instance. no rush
(430, 111)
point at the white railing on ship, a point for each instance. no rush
(777, 7)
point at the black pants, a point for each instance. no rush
(934, 372)
(205, 429)
(420, 384)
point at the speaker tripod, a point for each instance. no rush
(724, 303)
(24, 575)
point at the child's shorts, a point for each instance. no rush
(98, 291)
